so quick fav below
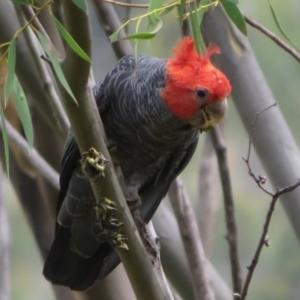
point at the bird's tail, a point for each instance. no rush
(65, 267)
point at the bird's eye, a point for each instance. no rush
(202, 93)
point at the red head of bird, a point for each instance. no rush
(195, 90)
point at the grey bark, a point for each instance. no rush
(175, 261)
(4, 244)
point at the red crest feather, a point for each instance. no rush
(186, 73)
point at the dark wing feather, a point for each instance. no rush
(151, 196)
(155, 190)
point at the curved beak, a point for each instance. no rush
(209, 115)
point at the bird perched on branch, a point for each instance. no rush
(152, 111)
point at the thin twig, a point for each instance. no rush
(264, 240)
(260, 180)
(127, 16)
(33, 156)
(32, 17)
(231, 237)
(111, 23)
(191, 240)
(273, 37)
(207, 207)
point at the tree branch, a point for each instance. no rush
(85, 118)
(191, 239)
(111, 23)
(273, 37)
(4, 245)
(264, 239)
(231, 237)
(33, 156)
(207, 207)
(172, 250)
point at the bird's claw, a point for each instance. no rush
(93, 164)
(108, 225)
(104, 208)
(114, 238)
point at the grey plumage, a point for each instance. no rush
(152, 147)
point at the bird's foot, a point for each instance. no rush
(93, 164)
(111, 234)
(104, 208)
(108, 226)
(118, 240)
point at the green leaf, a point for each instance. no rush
(50, 51)
(5, 140)
(11, 65)
(196, 30)
(23, 111)
(181, 10)
(69, 39)
(152, 18)
(81, 4)
(202, 11)
(280, 28)
(235, 15)
(146, 35)
(196, 17)
(114, 37)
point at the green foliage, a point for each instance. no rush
(23, 111)
(181, 10)
(81, 4)
(235, 14)
(5, 140)
(156, 9)
(50, 51)
(11, 65)
(147, 35)
(280, 27)
(196, 17)
(152, 17)
(69, 39)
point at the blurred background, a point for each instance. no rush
(277, 276)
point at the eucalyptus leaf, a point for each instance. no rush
(23, 111)
(81, 4)
(114, 37)
(152, 18)
(235, 15)
(166, 10)
(147, 35)
(69, 39)
(181, 11)
(11, 65)
(280, 28)
(5, 140)
(50, 51)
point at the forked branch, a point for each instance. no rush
(260, 181)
